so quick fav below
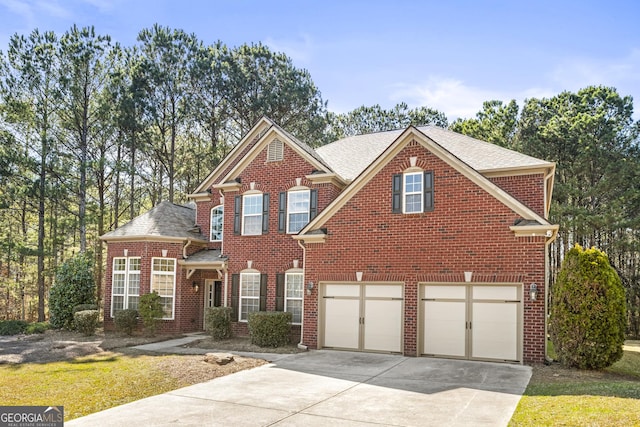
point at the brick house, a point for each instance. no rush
(419, 241)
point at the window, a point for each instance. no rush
(275, 151)
(249, 294)
(125, 284)
(412, 192)
(252, 214)
(293, 296)
(163, 281)
(217, 216)
(297, 210)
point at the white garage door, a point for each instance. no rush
(366, 317)
(471, 321)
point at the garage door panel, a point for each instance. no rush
(383, 291)
(495, 292)
(383, 325)
(342, 323)
(444, 291)
(495, 331)
(342, 290)
(444, 328)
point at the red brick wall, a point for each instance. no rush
(189, 305)
(467, 231)
(528, 189)
(274, 252)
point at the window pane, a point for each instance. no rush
(119, 264)
(298, 201)
(133, 302)
(167, 307)
(118, 303)
(252, 204)
(247, 306)
(295, 308)
(250, 285)
(134, 264)
(217, 215)
(413, 203)
(298, 221)
(253, 225)
(118, 284)
(294, 286)
(134, 284)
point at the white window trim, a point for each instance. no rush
(165, 273)
(405, 193)
(241, 297)
(127, 275)
(289, 211)
(287, 299)
(211, 223)
(259, 214)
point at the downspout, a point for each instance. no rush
(547, 279)
(184, 249)
(304, 267)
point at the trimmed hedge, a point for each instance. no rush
(588, 311)
(126, 320)
(270, 328)
(150, 309)
(86, 321)
(218, 322)
(74, 285)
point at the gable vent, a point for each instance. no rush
(275, 151)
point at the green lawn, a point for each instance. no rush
(85, 385)
(570, 397)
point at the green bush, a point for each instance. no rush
(150, 309)
(218, 322)
(126, 321)
(86, 321)
(37, 328)
(588, 311)
(270, 328)
(13, 327)
(74, 285)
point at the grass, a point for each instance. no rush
(85, 385)
(570, 397)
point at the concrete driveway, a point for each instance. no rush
(324, 387)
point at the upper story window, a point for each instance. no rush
(163, 281)
(275, 151)
(412, 192)
(217, 217)
(251, 214)
(296, 208)
(298, 203)
(125, 284)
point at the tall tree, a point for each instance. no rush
(30, 86)
(165, 55)
(85, 63)
(364, 120)
(263, 83)
(496, 123)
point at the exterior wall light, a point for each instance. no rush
(195, 287)
(533, 291)
(309, 287)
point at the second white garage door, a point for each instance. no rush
(472, 321)
(362, 316)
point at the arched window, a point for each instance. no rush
(217, 217)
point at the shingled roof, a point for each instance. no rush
(348, 157)
(166, 220)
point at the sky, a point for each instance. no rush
(450, 55)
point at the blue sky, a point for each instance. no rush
(448, 55)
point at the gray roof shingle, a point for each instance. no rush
(164, 220)
(350, 156)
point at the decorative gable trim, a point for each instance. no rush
(275, 151)
(327, 178)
